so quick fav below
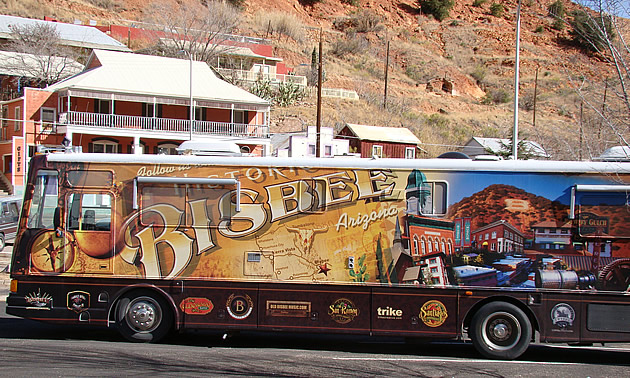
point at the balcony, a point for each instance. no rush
(167, 125)
(250, 76)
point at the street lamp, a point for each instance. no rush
(192, 108)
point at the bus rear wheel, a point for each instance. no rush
(500, 330)
(143, 316)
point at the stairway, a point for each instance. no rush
(5, 184)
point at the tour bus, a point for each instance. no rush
(491, 251)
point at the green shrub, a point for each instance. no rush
(288, 93)
(558, 24)
(479, 3)
(240, 4)
(479, 73)
(285, 94)
(556, 9)
(437, 8)
(539, 29)
(497, 9)
(354, 3)
(592, 33)
(496, 96)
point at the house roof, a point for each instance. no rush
(11, 64)
(128, 74)
(228, 50)
(70, 34)
(384, 134)
(481, 146)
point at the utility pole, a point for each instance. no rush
(318, 127)
(386, 74)
(535, 95)
(516, 82)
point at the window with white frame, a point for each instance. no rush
(410, 152)
(167, 149)
(48, 117)
(104, 146)
(311, 150)
(416, 246)
(377, 150)
(17, 116)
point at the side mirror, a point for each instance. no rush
(57, 218)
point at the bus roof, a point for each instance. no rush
(352, 163)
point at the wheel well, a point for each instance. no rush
(156, 291)
(511, 300)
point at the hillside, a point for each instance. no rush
(471, 50)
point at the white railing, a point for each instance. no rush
(116, 121)
(251, 76)
(340, 93)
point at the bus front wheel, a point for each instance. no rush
(143, 316)
(500, 330)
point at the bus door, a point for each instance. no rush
(89, 225)
(601, 217)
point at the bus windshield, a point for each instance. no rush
(44, 201)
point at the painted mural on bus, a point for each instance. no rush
(332, 225)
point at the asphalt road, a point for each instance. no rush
(29, 348)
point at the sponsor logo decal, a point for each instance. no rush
(196, 306)
(39, 300)
(433, 313)
(562, 315)
(389, 313)
(292, 309)
(239, 306)
(343, 311)
(78, 301)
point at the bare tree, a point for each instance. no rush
(604, 101)
(40, 55)
(202, 30)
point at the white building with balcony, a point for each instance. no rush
(130, 103)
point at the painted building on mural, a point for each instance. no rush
(499, 236)
(133, 104)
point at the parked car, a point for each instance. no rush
(9, 216)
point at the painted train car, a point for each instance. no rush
(494, 251)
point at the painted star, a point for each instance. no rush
(324, 269)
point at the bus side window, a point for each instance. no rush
(89, 212)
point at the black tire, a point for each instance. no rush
(2, 242)
(500, 330)
(143, 316)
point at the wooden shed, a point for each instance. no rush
(383, 142)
